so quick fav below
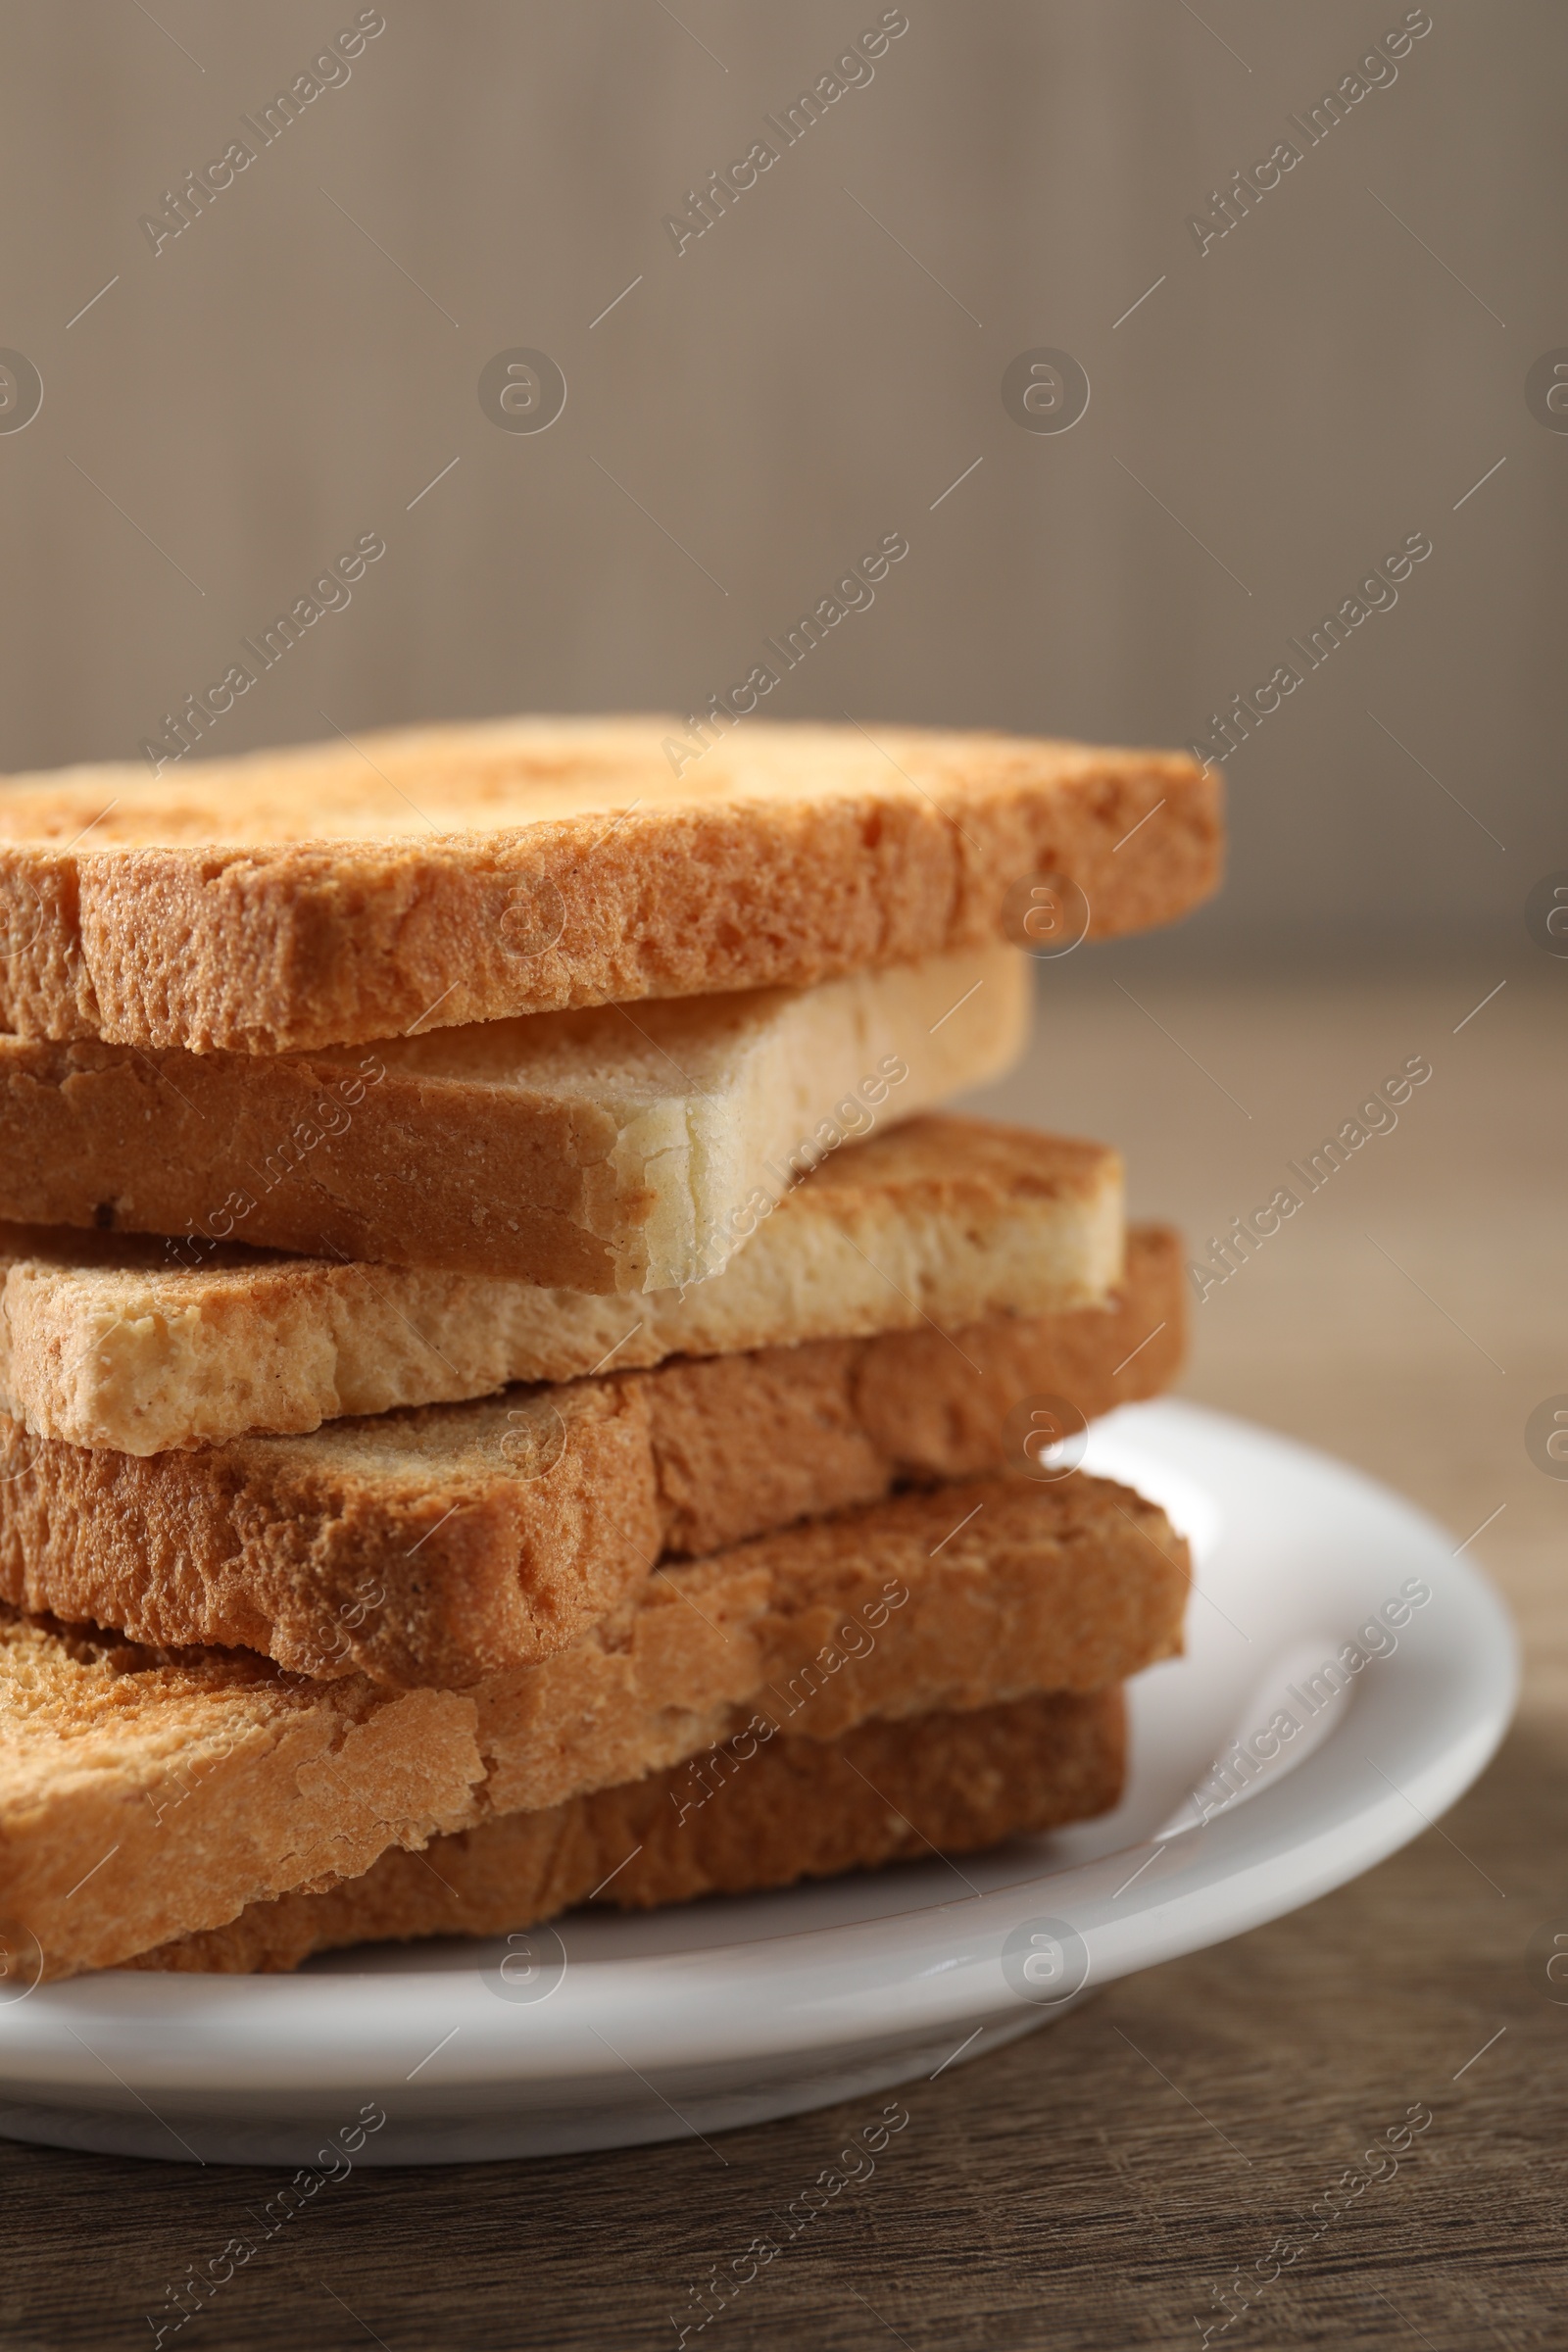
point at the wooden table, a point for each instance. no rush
(1094, 2183)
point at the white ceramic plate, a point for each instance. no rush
(622, 2029)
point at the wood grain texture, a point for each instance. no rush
(1068, 2192)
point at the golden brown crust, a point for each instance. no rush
(143, 1790)
(437, 1545)
(416, 1547)
(744, 1443)
(149, 1794)
(333, 894)
(958, 1596)
(740, 1818)
(1131, 1348)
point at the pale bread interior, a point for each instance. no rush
(716, 1101)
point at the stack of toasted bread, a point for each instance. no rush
(511, 1393)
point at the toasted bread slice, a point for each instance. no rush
(600, 1151)
(436, 1546)
(340, 892)
(940, 1221)
(147, 1795)
(749, 1815)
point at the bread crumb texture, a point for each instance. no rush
(752, 1814)
(153, 1793)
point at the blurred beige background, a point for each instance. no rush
(1268, 419)
(1273, 416)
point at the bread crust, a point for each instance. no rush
(940, 1220)
(596, 1150)
(338, 893)
(434, 1546)
(155, 1793)
(733, 1821)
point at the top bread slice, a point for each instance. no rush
(940, 1223)
(340, 892)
